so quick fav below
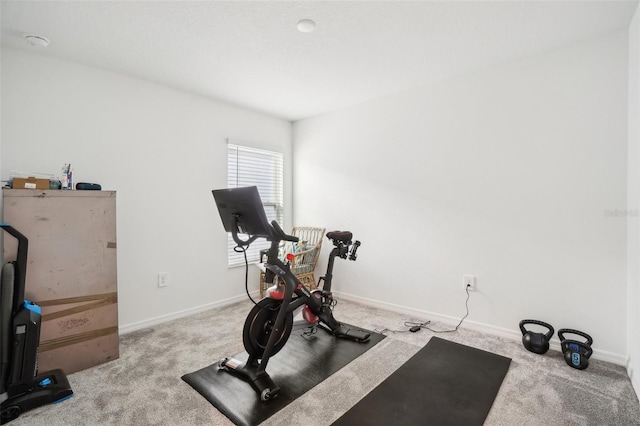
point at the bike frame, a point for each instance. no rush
(276, 268)
(255, 367)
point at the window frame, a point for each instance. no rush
(264, 168)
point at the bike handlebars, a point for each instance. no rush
(281, 234)
(354, 249)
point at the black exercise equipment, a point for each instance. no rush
(22, 388)
(303, 363)
(444, 383)
(269, 322)
(536, 342)
(576, 353)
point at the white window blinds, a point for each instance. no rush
(256, 167)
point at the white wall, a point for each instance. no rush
(633, 197)
(162, 150)
(505, 173)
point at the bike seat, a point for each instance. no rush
(344, 236)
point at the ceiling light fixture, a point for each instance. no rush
(37, 40)
(306, 25)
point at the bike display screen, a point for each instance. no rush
(241, 211)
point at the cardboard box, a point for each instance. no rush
(30, 183)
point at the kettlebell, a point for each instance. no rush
(576, 353)
(537, 343)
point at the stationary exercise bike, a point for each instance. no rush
(269, 323)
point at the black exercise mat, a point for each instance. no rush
(299, 366)
(445, 383)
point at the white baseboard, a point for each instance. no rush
(446, 319)
(139, 325)
(513, 334)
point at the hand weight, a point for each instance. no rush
(576, 353)
(536, 342)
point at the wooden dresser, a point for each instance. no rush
(71, 272)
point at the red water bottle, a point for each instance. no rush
(276, 291)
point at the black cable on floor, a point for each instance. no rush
(466, 304)
(416, 326)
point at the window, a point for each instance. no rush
(256, 167)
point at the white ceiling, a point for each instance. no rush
(251, 54)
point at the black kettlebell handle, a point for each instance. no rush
(536, 322)
(564, 331)
(565, 347)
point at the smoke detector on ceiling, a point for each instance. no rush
(306, 25)
(36, 40)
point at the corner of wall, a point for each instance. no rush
(633, 375)
(633, 202)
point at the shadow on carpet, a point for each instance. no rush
(304, 362)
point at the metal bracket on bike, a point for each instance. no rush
(276, 269)
(354, 248)
(234, 234)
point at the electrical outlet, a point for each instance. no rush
(469, 282)
(163, 279)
